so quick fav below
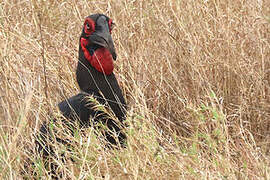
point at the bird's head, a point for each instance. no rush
(97, 44)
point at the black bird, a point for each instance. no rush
(95, 78)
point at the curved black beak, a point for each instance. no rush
(102, 36)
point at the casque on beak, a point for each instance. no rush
(102, 36)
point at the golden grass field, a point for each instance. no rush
(196, 76)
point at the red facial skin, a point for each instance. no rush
(102, 59)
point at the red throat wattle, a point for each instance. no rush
(101, 60)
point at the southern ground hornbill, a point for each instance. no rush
(96, 79)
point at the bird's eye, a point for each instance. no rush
(112, 25)
(87, 26)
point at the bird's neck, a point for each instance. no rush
(100, 58)
(92, 81)
(104, 86)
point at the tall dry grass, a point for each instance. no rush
(196, 75)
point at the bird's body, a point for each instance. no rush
(96, 79)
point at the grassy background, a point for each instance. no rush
(196, 75)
